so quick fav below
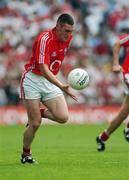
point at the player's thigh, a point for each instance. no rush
(57, 106)
(33, 109)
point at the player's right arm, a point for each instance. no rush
(49, 75)
(52, 78)
(116, 49)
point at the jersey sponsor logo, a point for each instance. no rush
(55, 65)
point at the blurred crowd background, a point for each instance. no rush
(97, 24)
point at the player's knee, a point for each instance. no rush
(63, 119)
(36, 125)
(124, 115)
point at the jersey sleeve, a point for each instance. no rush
(43, 55)
(124, 40)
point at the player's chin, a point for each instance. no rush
(65, 39)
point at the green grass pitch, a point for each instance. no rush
(64, 152)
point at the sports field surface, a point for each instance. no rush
(64, 152)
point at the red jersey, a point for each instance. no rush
(47, 49)
(124, 42)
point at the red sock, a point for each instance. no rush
(26, 151)
(128, 125)
(42, 110)
(104, 136)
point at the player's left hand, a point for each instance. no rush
(116, 68)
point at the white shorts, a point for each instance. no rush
(126, 83)
(33, 86)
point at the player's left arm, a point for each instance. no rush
(115, 63)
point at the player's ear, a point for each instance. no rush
(58, 26)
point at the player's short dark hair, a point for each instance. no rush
(125, 30)
(65, 19)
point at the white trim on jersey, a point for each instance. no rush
(125, 39)
(42, 47)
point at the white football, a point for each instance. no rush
(78, 78)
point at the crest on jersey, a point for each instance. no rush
(54, 54)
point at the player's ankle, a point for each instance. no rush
(26, 152)
(104, 136)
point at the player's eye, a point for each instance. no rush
(68, 31)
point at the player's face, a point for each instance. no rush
(64, 31)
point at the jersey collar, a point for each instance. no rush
(54, 34)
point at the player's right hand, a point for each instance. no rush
(66, 89)
(116, 68)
